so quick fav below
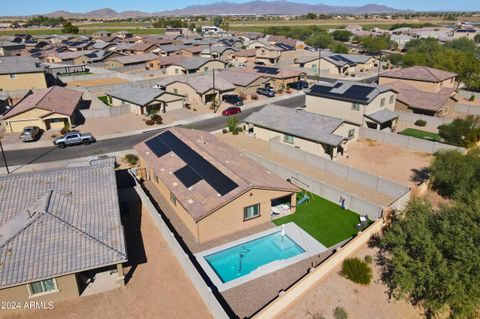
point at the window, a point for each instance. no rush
(288, 138)
(173, 199)
(356, 106)
(175, 91)
(392, 97)
(351, 133)
(382, 102)
(176, 71)
(151, 65)
(13, 76)
(43, 286)
(251, 212)
(205, 69)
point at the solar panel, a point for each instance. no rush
(266, 70)
(187, 176)
(358, 92)
(157, 147)
(219, 181)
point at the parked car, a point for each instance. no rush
(299, 85)
(30, 134)
(259, 63)
(310, 49)
(74, 138)
(233, 99)
(232, 110)
(266, 91)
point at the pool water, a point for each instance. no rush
(238, 261)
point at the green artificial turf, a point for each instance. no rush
(424, 135)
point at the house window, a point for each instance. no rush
(392, 97)
(13, 76)
(251, 212)
(155, 178)
(176, 71)
(43, 286)
(205, 69)
(288, 138)
(173, 199)
(351, 134)
(382, 102)
(151, 65)
(356, 106)
(175, 91)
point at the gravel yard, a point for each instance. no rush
(87, 83)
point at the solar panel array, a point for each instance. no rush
(354, 93)
(266, 70)
(196, 169)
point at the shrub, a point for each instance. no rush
(159, 121)
(254, 97)
(289, 90)
(194, 110)
(149, 122)
(280, 91)
(472, 97)
(232, 123)
(340, 313)
(368, 259)
(420, 123)
(239, 129)
(155, 117)
(357, 271)
(224, 131)
(242, 97)
(131, 159)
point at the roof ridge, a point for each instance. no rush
(431, 73)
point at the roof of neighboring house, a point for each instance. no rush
(348, 91)
(59, 221)
(194, 63)
(55, 99)
(134, 59)
(6, 44)
(311, 126)
(245, 53)
(172, 47)
(69, 55)
(4, 96)
(201, 83)
(204, 173)
(273, 72)
(194, 48)
(99, 55)
(20, 64)
(336, 58)
(382, 116)
(418, 99)
(419, 73)
(102, 45)
(136, 94)
(281, 39)
(239, 78)
(220, 49)
(143, 46)
(169, 60)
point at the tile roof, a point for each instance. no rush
(169, 60)
(382, 116)
(245, 53)
(20, 64)
(194, 63)
(348, 91)
(419, 73)
(239, 78)
(273, 72)
(136, 94)
(59, 221)
(55, 99)
(311, 126)
(201, 199)
(201, 83)
(135, 59)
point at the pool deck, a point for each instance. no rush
(311, 246)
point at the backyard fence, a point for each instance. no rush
(107, 111)
(333, 194)
(408, 142)
(413, 117)
(202, 288)
(467, 108)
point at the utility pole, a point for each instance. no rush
(215, 96)
(4, 158)
(319, 61)
(379, 66)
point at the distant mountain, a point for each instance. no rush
(226, 8)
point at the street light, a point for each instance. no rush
(4, 158)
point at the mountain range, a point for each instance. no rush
(279, 7)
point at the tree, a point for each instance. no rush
(375, 45)
(69, 28)
(310, 16)
(461, 132)
(395, 58)
(338, 47)
(476, 38)
(225, 24)
(341, 35)
(431, 257)
(192, 26)
(319, 40)
(217, 21)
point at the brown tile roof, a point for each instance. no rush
(194, 48)
(245, 53)
(202, 199)
(418, 99)
(169, 60)
(282, 39)
(132, 59)
(239, 78)
(55, 99)
(143, 46)
(420, 73)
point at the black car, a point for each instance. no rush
(299, 85)
(266, 91)
(233, 99)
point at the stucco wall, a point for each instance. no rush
(23, 81)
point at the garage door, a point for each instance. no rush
(17, 126)
(174, 105)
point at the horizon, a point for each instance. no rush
(28, 7)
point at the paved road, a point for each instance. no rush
(49, 154)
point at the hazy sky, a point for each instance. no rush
(27, 7)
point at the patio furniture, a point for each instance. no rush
(304, 199)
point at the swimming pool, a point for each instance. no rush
(240, 260)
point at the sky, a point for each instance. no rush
(28, 7)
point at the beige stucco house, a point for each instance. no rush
(366, 105)
(268, 55)
(194, 65)
(60, 229)
(214, 190)
(51, 108)
(21, 73)
(279, 77)
(338, 64)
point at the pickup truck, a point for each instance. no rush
(30, 134)
(74, 138)
(266, 91)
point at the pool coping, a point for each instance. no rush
(309, 244)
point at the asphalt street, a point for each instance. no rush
(48, 154)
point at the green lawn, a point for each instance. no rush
(424, 135)
(327, 222)
(104, 99)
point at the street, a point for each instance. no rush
(48, 154)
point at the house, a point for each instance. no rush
(197, 88)
(338, 64)
(8, 48)
(280, 77)
(191, 50)
(366, 105)
(245, 82)
(142, 48)
(314, 133)
(194, 65)
(288, 42)
(68, 57)
(59, 228)
(123, 61)
(411, 99)
(96, 56)
(101, 34)
(423, 78)
(256, 44)
(268, 55)
(166, 50)
(161, 62)
(218, 52)
(123, 34)
(5, 102)
(21, 73)
(245, 56)
(145, 100)
(51, 108)
(212, 187)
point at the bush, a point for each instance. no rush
(155, 117)
(132, 159)
(224, 131)
(368, 259)
(149, 122)
(242, 97)
(472, 97)
(239, 129)
(420, 123)
(357, 271)
(340, 313)
(232, 123)
(280, 91)
(254, 97)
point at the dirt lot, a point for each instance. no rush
(158, 287)
(392, 162)
(360, 302)
(97, 82)
(244, 142)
